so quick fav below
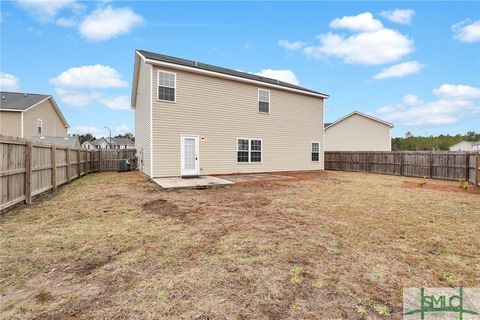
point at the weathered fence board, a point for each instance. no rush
(28, 169)
(435, 165)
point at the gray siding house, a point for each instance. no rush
(196, 119)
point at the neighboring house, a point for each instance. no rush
(194, 119)
(88, 145)
(28, 115)
(104, 143)
(71, 142)
(358, 132)
(466, 146)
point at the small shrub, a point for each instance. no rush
(298, 273)
(422, 181)
(381, 309)
(447, 276)
(44, 297)
(362, 310)
(463, 184)
(295, 306)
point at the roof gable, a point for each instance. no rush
(22, 102)
(329, 125)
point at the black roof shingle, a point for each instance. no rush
(231, 72)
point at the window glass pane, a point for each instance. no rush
(242, 156)
(242, 145)
(264, 96)
(255, 156)
(256, 145)
(315, 156)
(315, 147)
(263, 107)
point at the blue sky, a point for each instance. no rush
(416, 65)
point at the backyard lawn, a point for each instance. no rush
(328, 245)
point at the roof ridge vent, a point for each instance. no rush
(25, 94)
(196, 64)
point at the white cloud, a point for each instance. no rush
(282, 75)
(370, 44)
(399, 70)
(411, 100)
(369, 48)
(122, 129)
(291, 45)
(105, 23)
(45, 10)
(82, 129)
(67, 22)
(454, 103)
(77, 98)
(117, 103)
(467, 31)
(9, 82)
(91, 76)
(85, 85)
(402, 16)
(361, 22)
(457, 91)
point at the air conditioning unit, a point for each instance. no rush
(123, 165)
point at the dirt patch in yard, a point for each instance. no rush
(440, 187)
(316, 245)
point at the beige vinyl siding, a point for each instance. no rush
(52, 124)
(221, 111)
(358, 133)
(11, 123)
(142, 118)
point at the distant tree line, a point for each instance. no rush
(432, 143)
(90, 137)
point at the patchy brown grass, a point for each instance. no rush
(114, 246)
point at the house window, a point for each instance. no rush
(316, 151)
(39, 126)
(263, 101)
(249, 150)
(166, 86)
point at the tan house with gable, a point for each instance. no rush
(196, 119)
(28, 115)
(358, 132)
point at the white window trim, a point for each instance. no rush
(249, 151)
(39, 121)
(158, 77)
(311, 151)
(269, 101)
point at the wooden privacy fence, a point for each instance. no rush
(30, 168)
(435, 165)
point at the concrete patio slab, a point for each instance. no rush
(198, 182)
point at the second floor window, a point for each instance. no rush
(39, 126)
(263, 101)
(315, 151)
(166, 86)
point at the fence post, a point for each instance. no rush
(367, 163)
(79, 171)
(430, 170)
(401, 163)
(467, 166)
(91, 160)
(69, 179)
(54, 167)
(28, 173)
(477, 170)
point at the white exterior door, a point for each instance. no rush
(189, 155)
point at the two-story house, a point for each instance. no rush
(28, 115)
(194, 119)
